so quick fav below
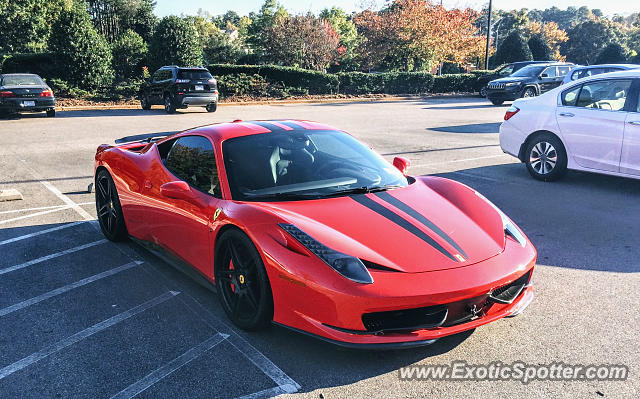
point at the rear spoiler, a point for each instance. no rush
(134, 141)
(143, 138)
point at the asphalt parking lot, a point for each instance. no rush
(82, 317)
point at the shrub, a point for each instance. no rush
(408, 82)
(40, 63)
(175, 42)
(83, 56)
(315, 82)
(64, 89)
(362, 83)
(128, 50)
(612, 54)
(255, 86)
(463, 82)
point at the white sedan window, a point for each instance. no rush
(609, 95)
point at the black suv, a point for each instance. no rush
(501, 72)
(179, 87)
(529, 81)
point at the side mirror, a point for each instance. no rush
(402, 164)
(177, 190)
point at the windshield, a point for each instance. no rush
(529, 71)
(308, 164)
(22, 80)
(194, 74)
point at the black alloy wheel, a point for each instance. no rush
(242, 282)
(108, 208)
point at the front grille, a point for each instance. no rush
(408, 319)
(507, 293)
(496, 86)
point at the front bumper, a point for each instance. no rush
(506, 94)
(333, 311)
(20, 104)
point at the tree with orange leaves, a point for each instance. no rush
(417, 34)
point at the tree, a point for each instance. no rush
(512, 49)
(25, 25)
(129, 50)
(83, 55)
(539, 48)
(587, 39)
(114, 17)
(551, 34)
(175, 41)
(262, 21)
(349, 38)
(224, 48)
(303, 41)
(614, 53)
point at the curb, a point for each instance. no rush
(284, 102)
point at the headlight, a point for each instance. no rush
(510, 229)
(348, 266)
(512, 84)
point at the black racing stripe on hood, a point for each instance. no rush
(293, 125)
(267, 125)
(388, 198)
(405, 224)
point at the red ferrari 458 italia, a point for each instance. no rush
(300, 224)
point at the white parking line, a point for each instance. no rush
(58, 209)
(67, 200)
(52, 256)
(77, 337)
(460, 160)
(158, 374)
(37, 233)
(40, 208)
(66, 288)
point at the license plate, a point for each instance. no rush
(199, 87)
(29, 103)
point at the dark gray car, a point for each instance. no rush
(23, 92)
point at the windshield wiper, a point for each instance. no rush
(362, 190)
(280, 196)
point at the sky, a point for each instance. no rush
(243, 7)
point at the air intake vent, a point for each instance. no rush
(408, 319)
(507, 293)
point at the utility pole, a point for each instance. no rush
(486, 54)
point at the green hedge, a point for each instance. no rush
(461, 82)
(42, 64)
(314, 81)
(389, 83)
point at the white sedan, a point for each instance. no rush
(591, 124)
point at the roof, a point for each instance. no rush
(224, 131)
(624, 66)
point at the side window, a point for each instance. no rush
(609, 95)
(192, 159)
(550, 72)
(563, 70)
(157, 76)
(569, 97)
(576, 75)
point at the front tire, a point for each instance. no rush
(144, 103)
(529, 92)
(546, 158)
(108, 208)
(497, 102)
(483, 92)
(242, 282)
(212, 107)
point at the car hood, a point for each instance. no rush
(511, 79)
(412, 229)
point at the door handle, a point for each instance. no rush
(568, 114)
(634, 122)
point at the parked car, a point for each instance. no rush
(25, 92)
(501, 72)
(299, 224)
(580, 72)
(592, 125)
(180, 87)
(529, 81)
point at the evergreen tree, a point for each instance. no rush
(175, 42)
(612, 54)
(83, 55)
(513, 48)
(128, 52)
(540, 50)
